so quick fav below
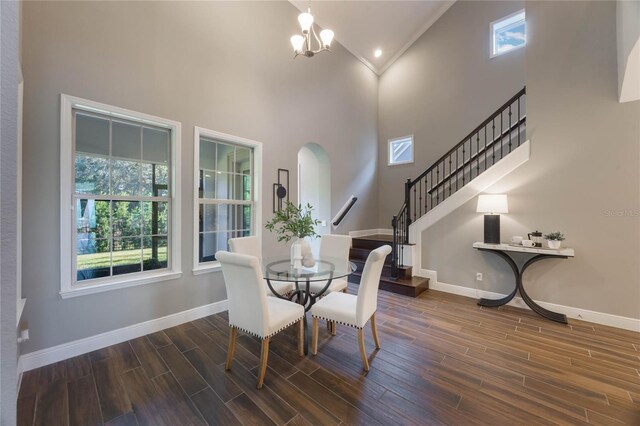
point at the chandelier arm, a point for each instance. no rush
(320, 47)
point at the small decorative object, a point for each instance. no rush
(555, 239)
(516, 239)
(280, 191)
(295, 222)
(493, 205)
(536, 237)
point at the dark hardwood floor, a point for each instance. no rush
(444, 360)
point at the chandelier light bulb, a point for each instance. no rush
(306, 20)
(326, 36)
(297, 41)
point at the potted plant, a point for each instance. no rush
(295, 222)
(555, 239)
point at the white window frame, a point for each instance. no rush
(492, 34)
(256, 219)
(397, 163)
(68, 286)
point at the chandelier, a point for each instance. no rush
(302, 43)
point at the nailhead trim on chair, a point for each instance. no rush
(339, 322)
(265, 337)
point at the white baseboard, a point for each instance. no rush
(626, 323)
(64, 351)
(365, 232)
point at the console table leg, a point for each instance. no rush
(553, 316)
(492, 303)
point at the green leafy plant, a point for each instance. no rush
(555, 236)
(293, 221)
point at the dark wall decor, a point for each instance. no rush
(280, 190)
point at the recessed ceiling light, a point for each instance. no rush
(377, 53)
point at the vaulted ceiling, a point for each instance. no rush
(364, 26)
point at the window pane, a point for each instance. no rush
(126, 219)
(155, 217)
(225, 155)
(125, 177)
(92, 134)
(92, 218)
(207, 154)
(508, 33)
(154, 253)
(245, 217)
(243, 161)
(126, 140)
(208, 217)
(155, 180)
(93, 258)
(210, 243)
(155, 145)
(224, 186)
(92, 175)
(242, 187)
(208, 182)
(127, 255)
(401, 151)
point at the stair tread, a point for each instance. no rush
(376, 237)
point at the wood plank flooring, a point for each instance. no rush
(443, 360)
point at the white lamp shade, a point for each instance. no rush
(492, 203)
(306, 20)
(297, 41)
(326, 36)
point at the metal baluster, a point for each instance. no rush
(458, 149)
(463, 160)
(510, 129)
(425, 193)
(501, 131)
(438, 184)
(450, 172)
(415, 216)
(420, 192)
(493, 141)
(519, 120)
(478, 154)
(485, 148)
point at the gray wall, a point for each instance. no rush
(225, 66)
(443, 87)
(583, 177)
(10, 77)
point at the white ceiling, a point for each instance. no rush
(364, 26)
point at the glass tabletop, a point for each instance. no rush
(280, 269)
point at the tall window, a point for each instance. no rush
(226, 193)
(508, 33)
(121, 187)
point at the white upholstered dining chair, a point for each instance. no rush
(337, 247)
(251, 311)
(251, 246)
(351, 310)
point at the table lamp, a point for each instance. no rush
(493, 205)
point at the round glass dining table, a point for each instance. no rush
(325, 270)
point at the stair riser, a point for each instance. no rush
(396, 288)
(362, 254)
(404, 272)
(369, 244)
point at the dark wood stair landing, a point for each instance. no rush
(406, 284)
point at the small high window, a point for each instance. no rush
(401, 150)
(508, 33)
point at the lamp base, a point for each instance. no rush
(492, 229)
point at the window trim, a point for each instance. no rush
(67, 287)
(390, 141)
(199, 132)
(493, 54)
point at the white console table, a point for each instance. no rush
(536, 253)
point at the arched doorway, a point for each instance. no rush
(314, 186)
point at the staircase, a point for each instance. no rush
(403, 283)
(460, 174)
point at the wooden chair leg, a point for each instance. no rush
(363, 353)
(232, 347)
(301, 337)
(314, 336)
(333, 328)
(264, 354)
(375, 331)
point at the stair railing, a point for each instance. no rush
(478, 151)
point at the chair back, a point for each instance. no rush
(246, 245)
(367, 302)
(336, 246)
(246, 297)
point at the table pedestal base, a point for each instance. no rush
(518, 273)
